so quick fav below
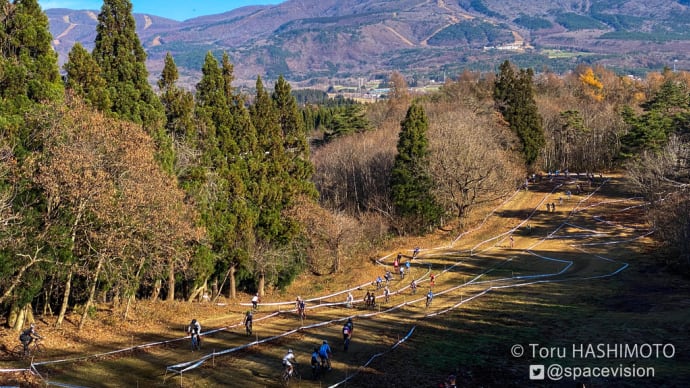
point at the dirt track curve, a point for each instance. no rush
(568, 244)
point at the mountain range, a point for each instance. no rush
(315, 42)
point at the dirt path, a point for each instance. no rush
(546, 247)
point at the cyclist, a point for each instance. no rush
(315, 363)
(248, 318)
(351, 325)
(429, 297)
(194, 329)
(413, 286)
(288, 361)
(255, 301)
(415, 253)
(301, 308)
(349, 300)
(28, 336)
(378, 282)
(386, 294)
(402, 272)
(324, 354)
(347, 334)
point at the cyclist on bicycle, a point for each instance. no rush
(324, 354)
(255, 301)
(28, 336)
(315, 362)
(429, 297)
(194, 329)
(350, 324)
(248, 318)
(301, 307)
(347, 333)
(415, 253)
(288, 361)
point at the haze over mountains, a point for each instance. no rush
(317, 41)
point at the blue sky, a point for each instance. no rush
(173, 9)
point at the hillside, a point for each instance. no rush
(311, 40)
(581, 274)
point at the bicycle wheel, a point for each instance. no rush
(18, 352)
(38, 348)
(285, 378)
(195, 342)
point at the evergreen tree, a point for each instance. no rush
(514, 98)
(178, 103)
(272, 178)
(29, 73)
(295, 141)
(29, 78)
(122, 60)
(411, 183)
(348, 119)
(85, 79)
(666, 113)
(220, 185)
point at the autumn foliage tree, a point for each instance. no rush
(125, 217)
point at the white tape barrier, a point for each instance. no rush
(375, 356)
(193, 364)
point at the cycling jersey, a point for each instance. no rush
(289, 359)
(324, 351)
(195, 328)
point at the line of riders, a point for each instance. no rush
(320, 357)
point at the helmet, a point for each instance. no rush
(325, 342)
(349, 319)
(33, 325)
(298, 298)
(289, 350)
(194, 320)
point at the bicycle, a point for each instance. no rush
(196, 342)
(325, 364)
(34, 348)
(285, 377)
(346, 343)
(315, 371)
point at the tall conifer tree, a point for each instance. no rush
(411, 183)
(85, 79)
(294, 138)
(28, 64)
(178, 103)
(514, 98)
(122, 59)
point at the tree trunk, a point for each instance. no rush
(13, 315)
(92, 292)
(129, 303)
(233, 283)
(156, 289)
(171, 282)
(214, 287)
(18, 323)
(65, 298)
(198, 291)
(262, 283)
